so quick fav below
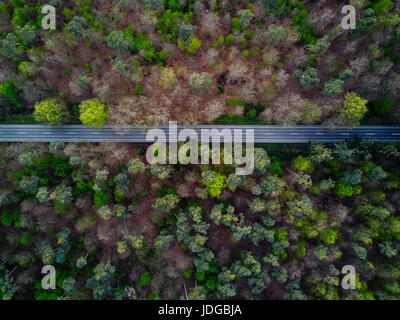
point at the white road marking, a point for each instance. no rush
(320, 134)
(46, 132)
(96, 133)
(270, 133)
(395, 134)
(294, 134)
(71, 133)
(21, 132)
(370, 134)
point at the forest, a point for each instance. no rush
(196, 62)
(118, 228)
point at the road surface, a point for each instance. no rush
(262, 134)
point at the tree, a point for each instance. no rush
(321, 252)
(76, 26)
(157, 5)
(382, 6)
(27, 68)
(307, 78)
(163, 241)
(120, 66)
(29, 184)
(321, 45)
(161, 172)
(135, 166)
(51, 111)
(354, 108)
(301, 207)
(192, 47)
(215, 183)
(105, 212)
(275, 34)
(353, 177)
(166, 203)
(302, 164)
(199, 82)
(345, 75)
(10, 46)
(84, 81)
(26, 158)
(333, 87)
(261, 160)
(319, 153)
(81, 262)
(101, 280)
(69, 285)
(245, 17)
(93, 113)
(7, 284)
(63, 195)
(122, 181)
(117, 41)
(43, 195)
(186, 31)
(27, 33)
(235, 181)
(257, 205)
(48, 254)
(122, 246)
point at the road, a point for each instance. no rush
(262, 134)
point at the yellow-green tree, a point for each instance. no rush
(50, 111)
(354, 108)
(93, 113)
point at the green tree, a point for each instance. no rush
(69, 285)
(76, 26)
(117, 41)
(354, 108)
(307, 78)
(321, 45)
(333, 87)
(9, 46)
(51, 111)
(93, 113)
(29, 184)
(302, 164)
(275, 34)
(245, 17)
(101, 281)
(27, 33)
(135, 166)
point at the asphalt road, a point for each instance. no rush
(262, 134)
